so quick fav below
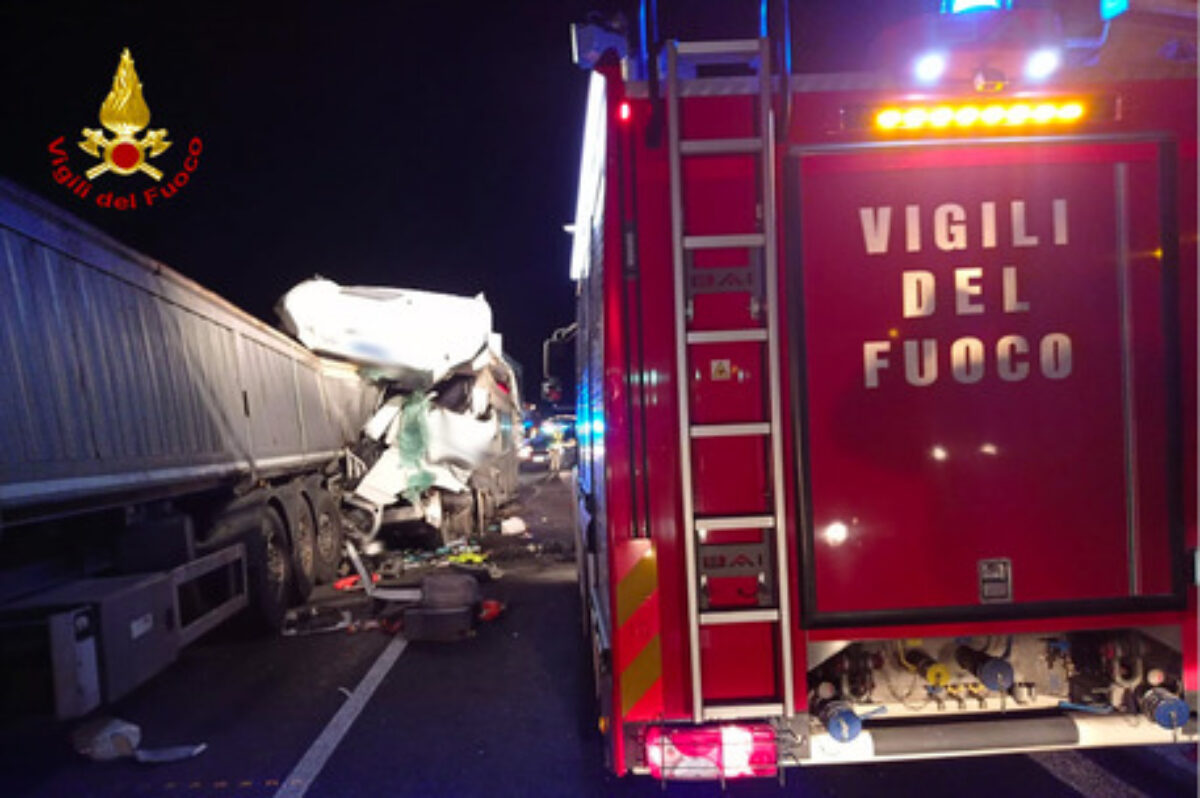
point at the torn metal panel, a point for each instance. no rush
(385, 481)
(381, 423)
(458, 439)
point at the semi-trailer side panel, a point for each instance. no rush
(119, 374)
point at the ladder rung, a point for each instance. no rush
(730, 430)
(716, 618)
(726, 336)
(737, 241)
(720, 146)
(717, 48)
(737, 711)
(712, 523)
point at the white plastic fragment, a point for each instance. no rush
(512, 526)
(386, 479)
(106, 739)
(381, 423)
(171, 754)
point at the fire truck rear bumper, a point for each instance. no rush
(759, 749)
(1070, 730)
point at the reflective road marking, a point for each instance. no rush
(306, 771)
(1084, 776)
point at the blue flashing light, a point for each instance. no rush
(965, 6)
(643, 41)
(1112, 8)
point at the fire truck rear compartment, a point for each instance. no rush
(931, 697)
(1132, 674)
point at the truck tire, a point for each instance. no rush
(327, 517)
(301, 532)
(269, 567)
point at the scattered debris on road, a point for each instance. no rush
(431, 593)
(106, 739)
(512, 526)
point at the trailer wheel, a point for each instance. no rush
(328, 531)
(269, 565)
(304, 549)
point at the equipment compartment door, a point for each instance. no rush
(986, 342)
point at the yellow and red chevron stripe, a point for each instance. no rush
(638, 649)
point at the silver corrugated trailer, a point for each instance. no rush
(117, 373)
(147, 424)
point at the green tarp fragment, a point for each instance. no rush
(411, 442)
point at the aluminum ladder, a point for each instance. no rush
(762, 242)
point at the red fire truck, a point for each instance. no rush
(886, 396)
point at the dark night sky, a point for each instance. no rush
(421, 144)
(417, 143)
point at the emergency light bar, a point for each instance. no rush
(969, 116)
(921, 117)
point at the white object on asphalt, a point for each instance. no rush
(512, 526)
(106, 739)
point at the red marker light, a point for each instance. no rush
(624, 111)
(711, 752)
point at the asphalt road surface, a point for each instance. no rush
(502, 713)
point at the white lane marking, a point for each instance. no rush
(1084, 776)
(314, 759)
(1175, 756)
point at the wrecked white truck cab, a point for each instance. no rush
(441, 448)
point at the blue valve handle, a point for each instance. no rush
(842, 722)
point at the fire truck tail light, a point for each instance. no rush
(624, 111)
(728, 751)
(1019, 114)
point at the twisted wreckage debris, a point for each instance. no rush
(440, 449)
(438, 455)
(446, 605)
